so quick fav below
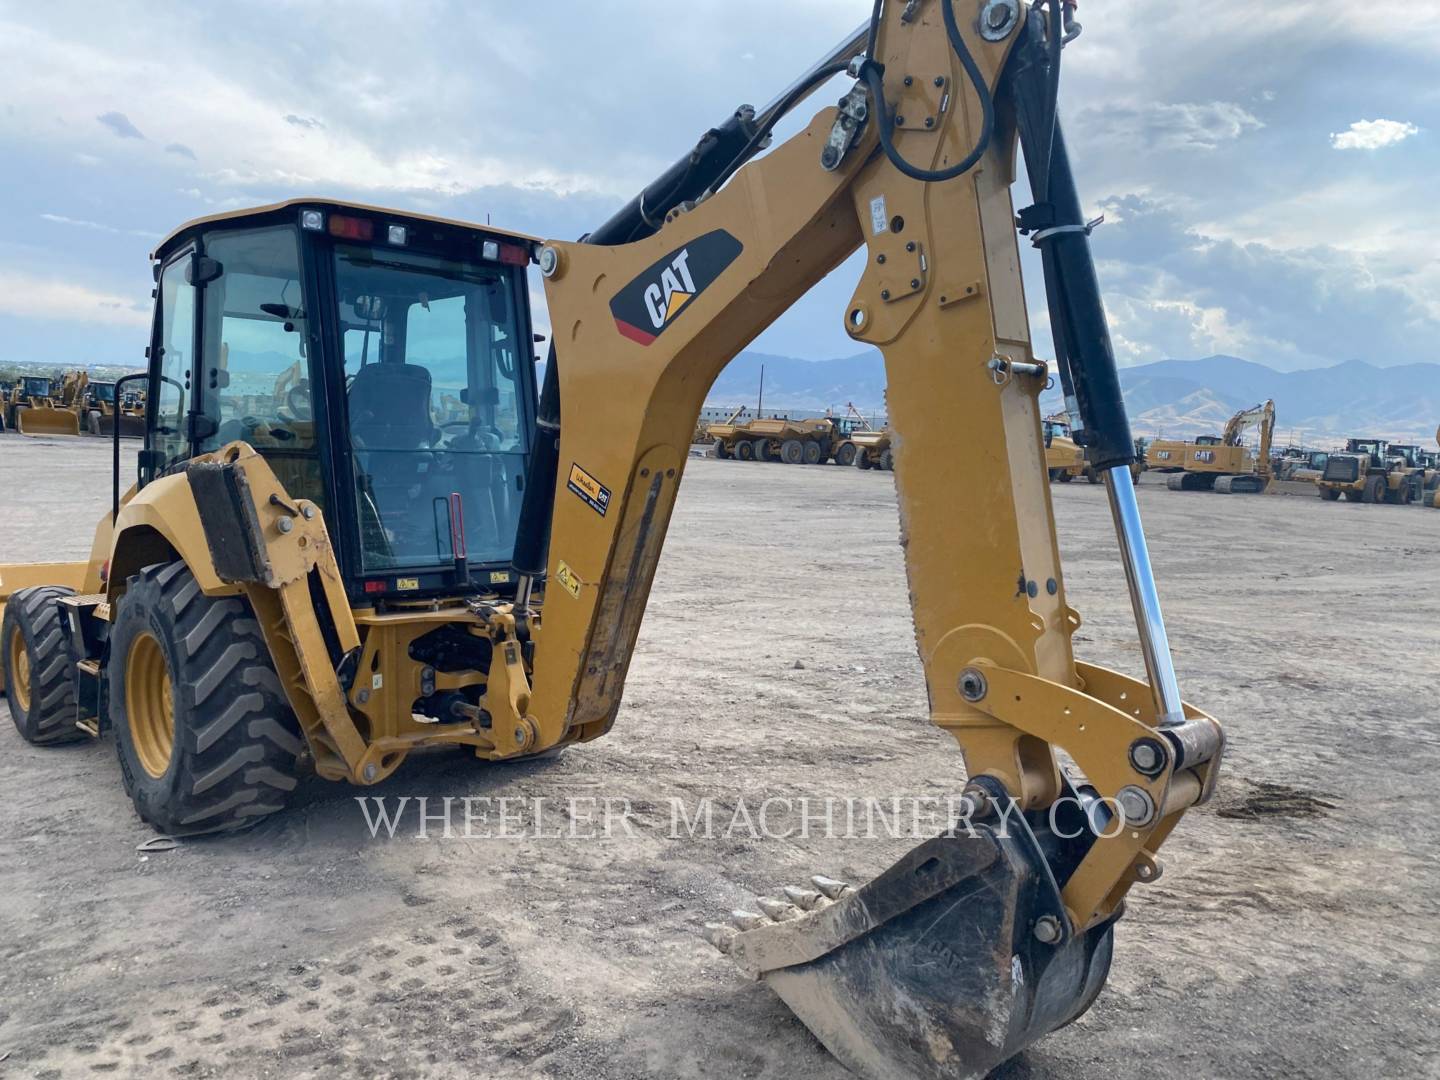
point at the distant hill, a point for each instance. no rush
(1179, 398)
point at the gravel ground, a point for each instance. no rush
(1296, 931)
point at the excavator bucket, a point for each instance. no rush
(44, 420)
(949, 963)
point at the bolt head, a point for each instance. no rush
(285, 525)
(370, 771)
(1047, 929)
(829, 157)
(308, 512)
(1145, 756)
(519, 734)
(973, 686)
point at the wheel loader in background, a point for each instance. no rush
(332, 575)
(103, 411)
(35, 408)
(1366, 471)
(51, 413)
(1064, 460)
(1225, 464)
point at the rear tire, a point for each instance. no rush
(206, 740)
(815, 454)
(887, 460)
(845, 455)
(745, 451)
(762, 450)
(39, 672)
(792, 452)
(862, 460)
(1374, 490)
(722, 451)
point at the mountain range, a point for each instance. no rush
(1176, 398)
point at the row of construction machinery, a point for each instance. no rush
(1373, 470)
(36, 405)
(342, 581)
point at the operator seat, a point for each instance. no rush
(390, 408)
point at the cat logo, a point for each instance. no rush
(650, 303)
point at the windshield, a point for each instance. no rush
(434, 390)
(103, 391)
(37, 387)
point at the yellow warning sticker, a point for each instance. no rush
(595, 494)
(568, 579)
(406, 583)
(499, 577)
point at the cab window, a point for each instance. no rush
(256, 386)
(171, 388)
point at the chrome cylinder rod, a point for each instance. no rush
(1144, 598)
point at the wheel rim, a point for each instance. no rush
(149, 705)
(20, 670)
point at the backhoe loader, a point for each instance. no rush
(1225, 464)
(334, 576)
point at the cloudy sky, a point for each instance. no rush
(1267, 171)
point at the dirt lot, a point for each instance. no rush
(1296, 931)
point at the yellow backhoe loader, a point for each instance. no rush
(55, 414)
(1225, 464)
(343, 580)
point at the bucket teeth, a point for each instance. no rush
(778, 910)
(747, 920)
(722, 937)
(831, 888)
(804, 899)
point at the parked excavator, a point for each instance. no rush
(1225, 464)
(338, 578)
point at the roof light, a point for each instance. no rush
(314, 220)
(396, 234)
(351, 228)
(490, 250)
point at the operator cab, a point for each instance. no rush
(1374, 449)
(102, 391)
(380, 361)
(34, 386)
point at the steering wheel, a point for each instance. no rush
(297, 400)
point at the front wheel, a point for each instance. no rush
(205, 737)
(39, 673)
(887, 460)
(1374, 490)
(1329, 494)
(845, 455)
(721, 450)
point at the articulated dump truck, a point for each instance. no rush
(332, 569)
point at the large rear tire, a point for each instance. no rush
(792, 452)
(206, 740)
(887, 460)
(721, 450)
(762, 450)
(845, 455)
(745, 451)
(39, 672)
(815, 454)
(1374, 490)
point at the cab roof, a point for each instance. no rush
(190, 228)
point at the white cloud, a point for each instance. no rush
(61, 219)
(29, 297)
(1372, 134)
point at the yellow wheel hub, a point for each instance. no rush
(149, 705)
(20, 670)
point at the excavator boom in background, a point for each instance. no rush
(319, 556)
